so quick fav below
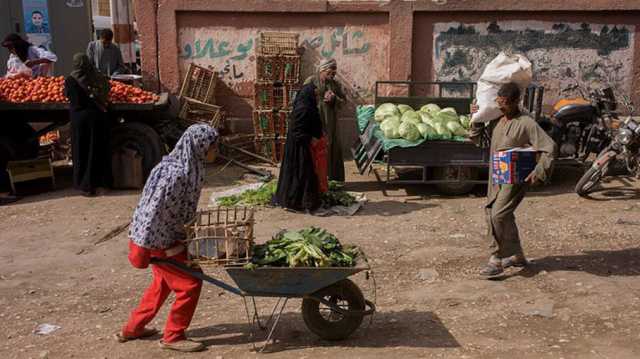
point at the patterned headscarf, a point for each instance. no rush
(327, 64)
(170, 196)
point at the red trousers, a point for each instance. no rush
(166, 279)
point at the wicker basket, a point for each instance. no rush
(282, 124)
(278, 43)
(199, 84)
(267, 146)
(193, 112)
(267, 96)
(290, 69)
(264, 123)
(220, 236)
(280, 143)
(290, 93)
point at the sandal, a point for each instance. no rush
(147, 332)
(185, 346)
(492, 270)
(515, 261)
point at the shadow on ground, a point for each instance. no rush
(410, 329)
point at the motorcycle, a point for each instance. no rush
(581, 127)
(624, 147)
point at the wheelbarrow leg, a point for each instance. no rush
(275, 323)
(255, 319)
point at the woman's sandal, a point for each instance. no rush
(146, 333)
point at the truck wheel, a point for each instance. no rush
(141, 138)
(451, 173)
(327, 323)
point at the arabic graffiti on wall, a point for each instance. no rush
(562, 54)
(231, 52)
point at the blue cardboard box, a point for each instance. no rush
(513, 166)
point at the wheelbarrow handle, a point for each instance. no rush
(198, 274)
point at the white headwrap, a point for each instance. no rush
(327, 64)
(170, 196)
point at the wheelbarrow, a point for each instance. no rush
(333, 307)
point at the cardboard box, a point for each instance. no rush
(513, 166)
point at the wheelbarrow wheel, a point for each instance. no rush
(328, 323)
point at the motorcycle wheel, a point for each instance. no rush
(592, 177)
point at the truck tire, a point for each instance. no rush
(141, 138)
(455, 189)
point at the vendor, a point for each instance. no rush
(88, 93)
(298, 183)
(512, 130)
(27, 60)
(331, 96)
(169, 201)
(106, 55)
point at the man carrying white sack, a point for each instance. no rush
(512, 130)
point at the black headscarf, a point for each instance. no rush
(90, 78)
(18, 44)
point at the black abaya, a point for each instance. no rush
(90, 140)
(298, 183)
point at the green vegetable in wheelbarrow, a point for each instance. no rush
(309, 247)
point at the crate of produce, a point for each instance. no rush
(220, 236)
(269, 69)
(268, 96)
(513, 166)
(290, 69)
(282, 124)
(193, 112)
(264, 122)
(199, 84)
(278, 43)
(266, 146)
(290, 93)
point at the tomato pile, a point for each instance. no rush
(41, 89)
(51, 89)
(129, 94)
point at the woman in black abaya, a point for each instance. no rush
(88, 93)
(298, 184)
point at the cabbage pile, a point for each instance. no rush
(430, 122)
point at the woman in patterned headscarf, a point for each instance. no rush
(88, 93)
(169, 201)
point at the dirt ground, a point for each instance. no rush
(580, 298)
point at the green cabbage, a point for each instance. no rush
(427, 131)
(386, 110)
(411, 116)
(465, 121)
(404, 108)
(390, 127)
(426, 118)
(456, 129)
(448, 115)
(431, 108)
(409, 131)
(442, 131)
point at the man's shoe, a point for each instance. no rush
(515, 261)
(186, 346)
(147, 332)
(493, 268)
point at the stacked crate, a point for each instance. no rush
(278, 65)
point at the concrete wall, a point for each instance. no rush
(594, 43)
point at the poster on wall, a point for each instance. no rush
(75, 3)
(36, 22)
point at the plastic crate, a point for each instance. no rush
(290, 69)
(269, 69)
(264, 123)
(278, 43)
(199, 84)
(220, 236)
(193, 112)
(268, 96)
(266, 146)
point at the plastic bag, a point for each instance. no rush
(320, 155)
(17, 68)
(503, 69)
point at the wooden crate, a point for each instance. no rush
(264, 123)
(268, 69)
(267, 147)
(193, 112)
(220, 236)
(282, 124)
(278, 43)
(290, 69)
(199, 84)
(268, 96)
(290, 93)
